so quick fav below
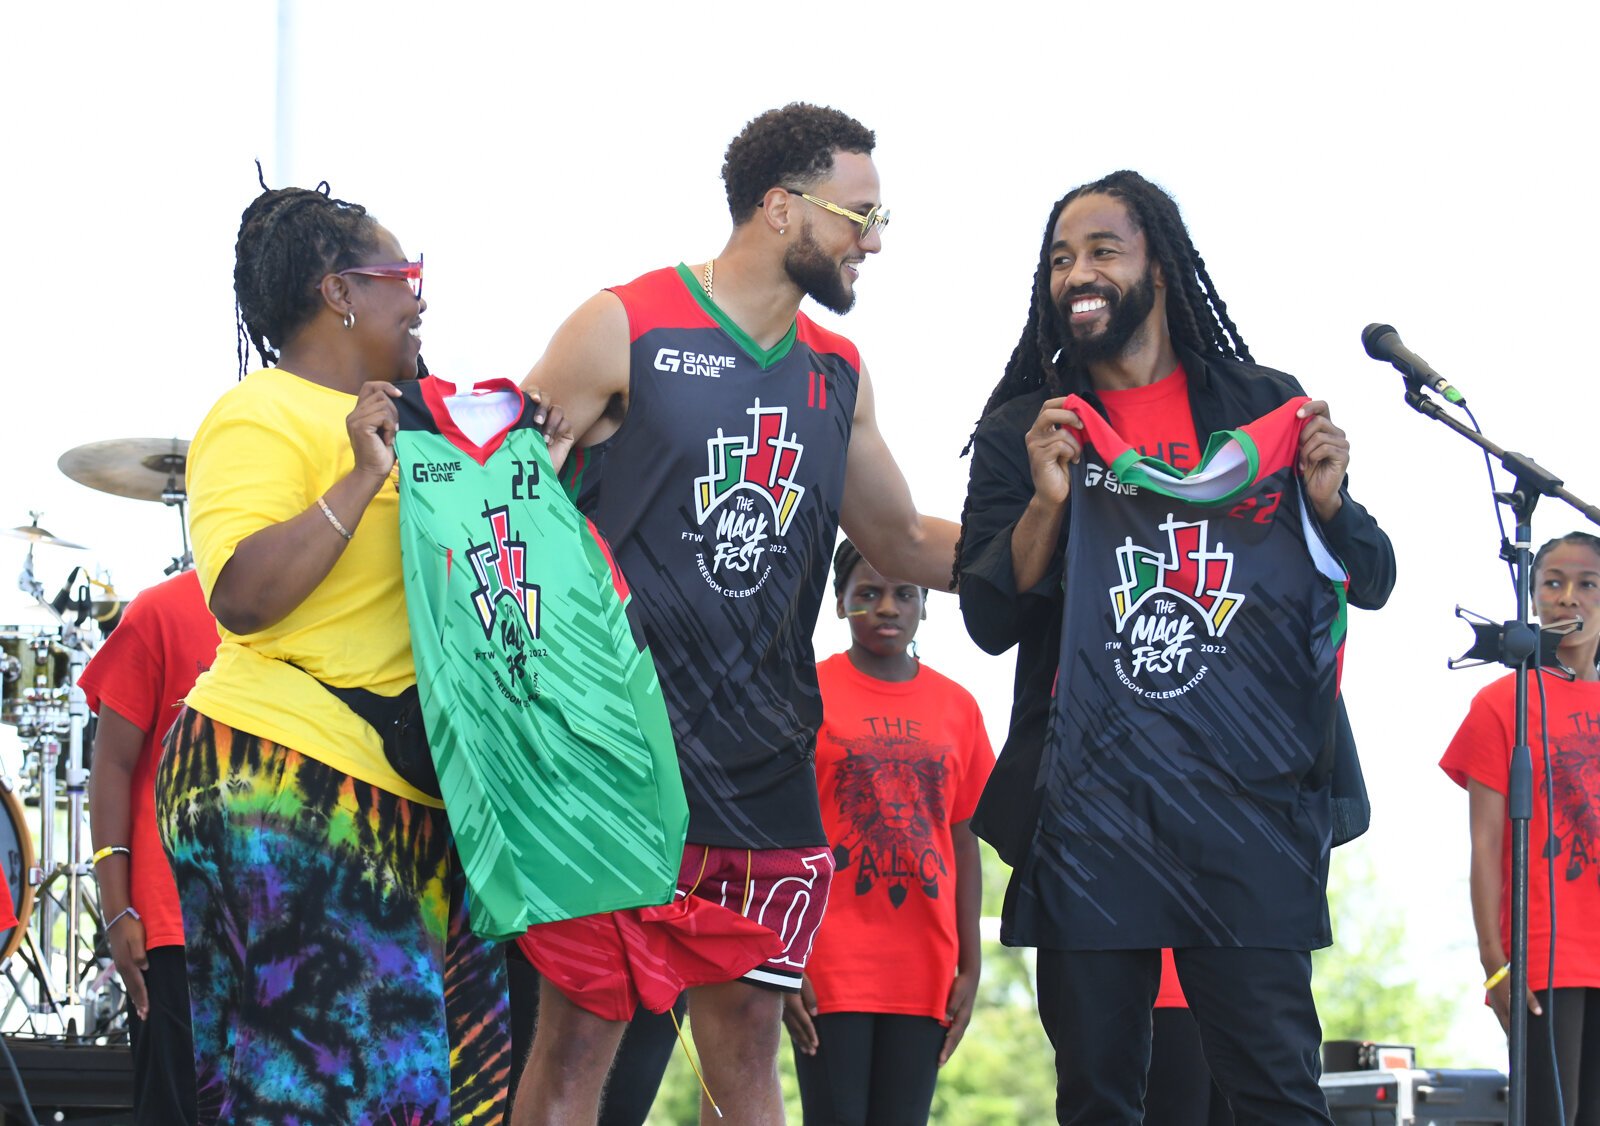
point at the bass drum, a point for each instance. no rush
(16, 856)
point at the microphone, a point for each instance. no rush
(63, 601)
(1382, 342)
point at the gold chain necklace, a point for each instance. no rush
(710, 278)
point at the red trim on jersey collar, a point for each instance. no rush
(435, 389)
(660, 299)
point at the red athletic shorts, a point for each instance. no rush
(738, 914)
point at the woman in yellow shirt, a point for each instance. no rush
(320, 894)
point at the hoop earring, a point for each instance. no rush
(350, 319)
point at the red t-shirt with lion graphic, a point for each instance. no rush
(1481, 752)
(898, 763)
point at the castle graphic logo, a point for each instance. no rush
(1171, 602)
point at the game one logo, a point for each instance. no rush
(1172, 602)
(751, 491)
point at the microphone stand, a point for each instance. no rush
(1518, 648)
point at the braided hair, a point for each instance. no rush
(289, 238)
(845, 558)
(1197, 319)
(1045, 355)
(1581, 539)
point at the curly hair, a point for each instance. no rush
(792, 145)
(289, 238)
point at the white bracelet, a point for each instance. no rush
(334, 520)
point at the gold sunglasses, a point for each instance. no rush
(877, 218)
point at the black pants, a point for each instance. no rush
(871, 1069)
(163, 1045)
(642, 1057)
(1257, 1023)
(1180, 1091)
(1577, 1027)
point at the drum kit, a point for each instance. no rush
(66, 985)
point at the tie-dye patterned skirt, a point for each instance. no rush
(332, 975)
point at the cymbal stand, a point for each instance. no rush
(185, 561)
(174, 495)
(77, 898)
(27, 583)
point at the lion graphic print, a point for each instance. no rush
(899, 766)
(889, 790)
(1574, 787)
(1564, 836)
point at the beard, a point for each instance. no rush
(817, 275)
(1128, 314)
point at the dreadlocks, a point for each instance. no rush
(1196, 315)
(288, 239)
(1197, 318)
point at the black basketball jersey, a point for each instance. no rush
(720, 492)
(1186, 796)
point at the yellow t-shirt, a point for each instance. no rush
(269, 448)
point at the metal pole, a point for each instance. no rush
(283, 101)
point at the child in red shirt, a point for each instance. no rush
(901, 759)
(1566, 586)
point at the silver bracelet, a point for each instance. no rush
(126, 912)
(334, 520)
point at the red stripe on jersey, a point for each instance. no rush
(659, 300)
(819, 339)
(618, 580)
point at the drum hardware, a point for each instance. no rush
(37, 535)
(140, 469)
(66, 989)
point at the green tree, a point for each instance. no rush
(1365, 988)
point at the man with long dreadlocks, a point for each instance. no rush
(1165, 782)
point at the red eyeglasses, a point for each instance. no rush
(410, 271)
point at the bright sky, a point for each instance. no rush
(1424, 165)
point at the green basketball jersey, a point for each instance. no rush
(544, 716)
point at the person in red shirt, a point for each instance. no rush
(902, 756)
(1566, 587)
(136, 684)
(1180, 1090)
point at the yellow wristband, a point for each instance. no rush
(110, 850)
(1497, 977)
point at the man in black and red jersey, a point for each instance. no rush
(723, 439)
(1166, 780)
